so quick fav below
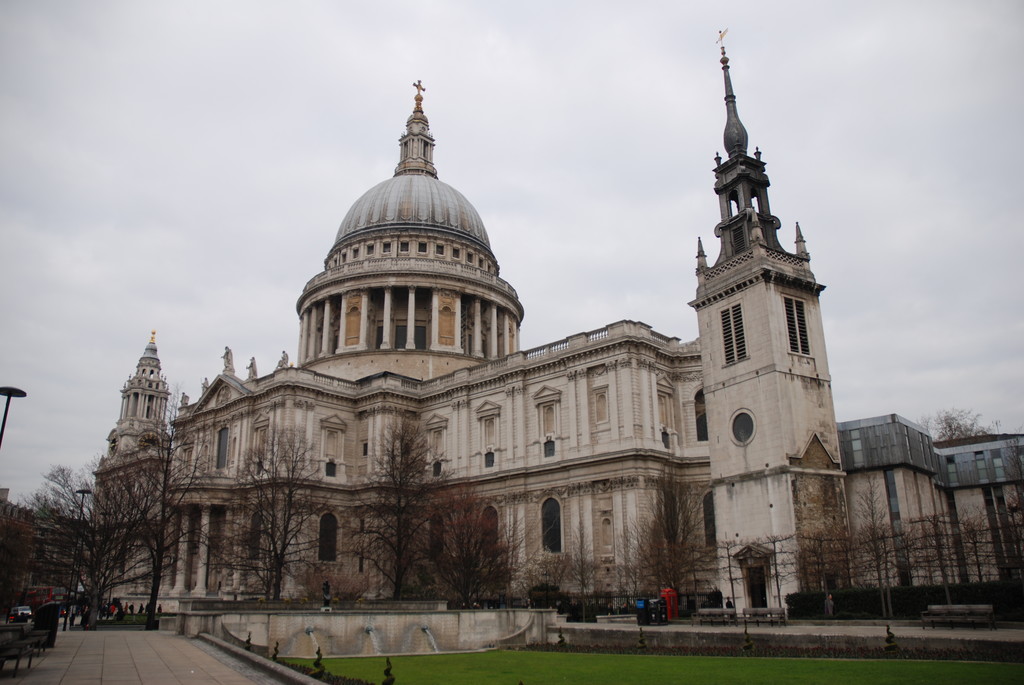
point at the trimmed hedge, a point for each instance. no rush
(1006, 598)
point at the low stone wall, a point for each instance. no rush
(665, 637)
(299, 633)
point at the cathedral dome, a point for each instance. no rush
(414, 200)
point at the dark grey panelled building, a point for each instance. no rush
(973, 484)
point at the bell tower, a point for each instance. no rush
(143, 405)
(774, 454)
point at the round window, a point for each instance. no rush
(743, 427)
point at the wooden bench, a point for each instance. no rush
(770, 615)
(715, 615)
(958, 613)
(16, 651)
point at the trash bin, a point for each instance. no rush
(657, 612)
(643, 616)
(48, 618)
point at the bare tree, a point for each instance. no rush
(953, 423)
(93, 528)
(823, 559)
(930, 539)
(673, 534)
(468, 553)
(582, 567)
(159, 475)
(631, 571)
(1013, 458)
(397, 510)
(875, 543)
(275, 506)
(16, 550)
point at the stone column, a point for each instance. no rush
(341, 322)
(385, 343)
(458, 323)
(613, 398)
(410, 320)
(325, 339)
(179, 571)
(204, 553)
(493, 351)
(303, 325)
(573, 407)
(478, 332)
(432, 341)
(364, 318)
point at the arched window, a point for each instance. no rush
(254, 537)
(489, 522)
(701, 413)
(710, 532)
(551, 525)
(328, 538)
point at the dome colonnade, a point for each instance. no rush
(411, 274)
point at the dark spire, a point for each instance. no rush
(417, 145)
(735, 135)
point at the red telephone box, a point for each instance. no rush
(671, 602)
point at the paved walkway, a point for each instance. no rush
(123, 657)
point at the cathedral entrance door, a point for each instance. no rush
(757, 588)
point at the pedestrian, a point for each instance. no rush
(728, 603)
(830, 606)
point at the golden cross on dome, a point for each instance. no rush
(152, 337)
(420, 89)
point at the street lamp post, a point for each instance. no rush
(74, 564)
(9, 392)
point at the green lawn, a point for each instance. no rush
(546, 668)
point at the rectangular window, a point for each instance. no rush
(386, 248)
(455, 253)
(489, 460)
(732, 334)
(981, 465)
(422, 248)
(222, 448)
(439, 250)
(951, 470)
(355, 253)
(892, 495)
(549, 448)
(331, 470)
(369, 250)
(366, 449)
(403, 246)
(796, 324)
(997, 467)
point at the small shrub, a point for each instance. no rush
(890, 641)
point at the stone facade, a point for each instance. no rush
(411, 316)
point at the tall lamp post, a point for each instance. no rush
(9, 393)
(74, 564)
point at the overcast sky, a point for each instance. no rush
(184, 166)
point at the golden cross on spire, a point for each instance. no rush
(420, 89)
(152, 337)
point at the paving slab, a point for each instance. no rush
(120, 657)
